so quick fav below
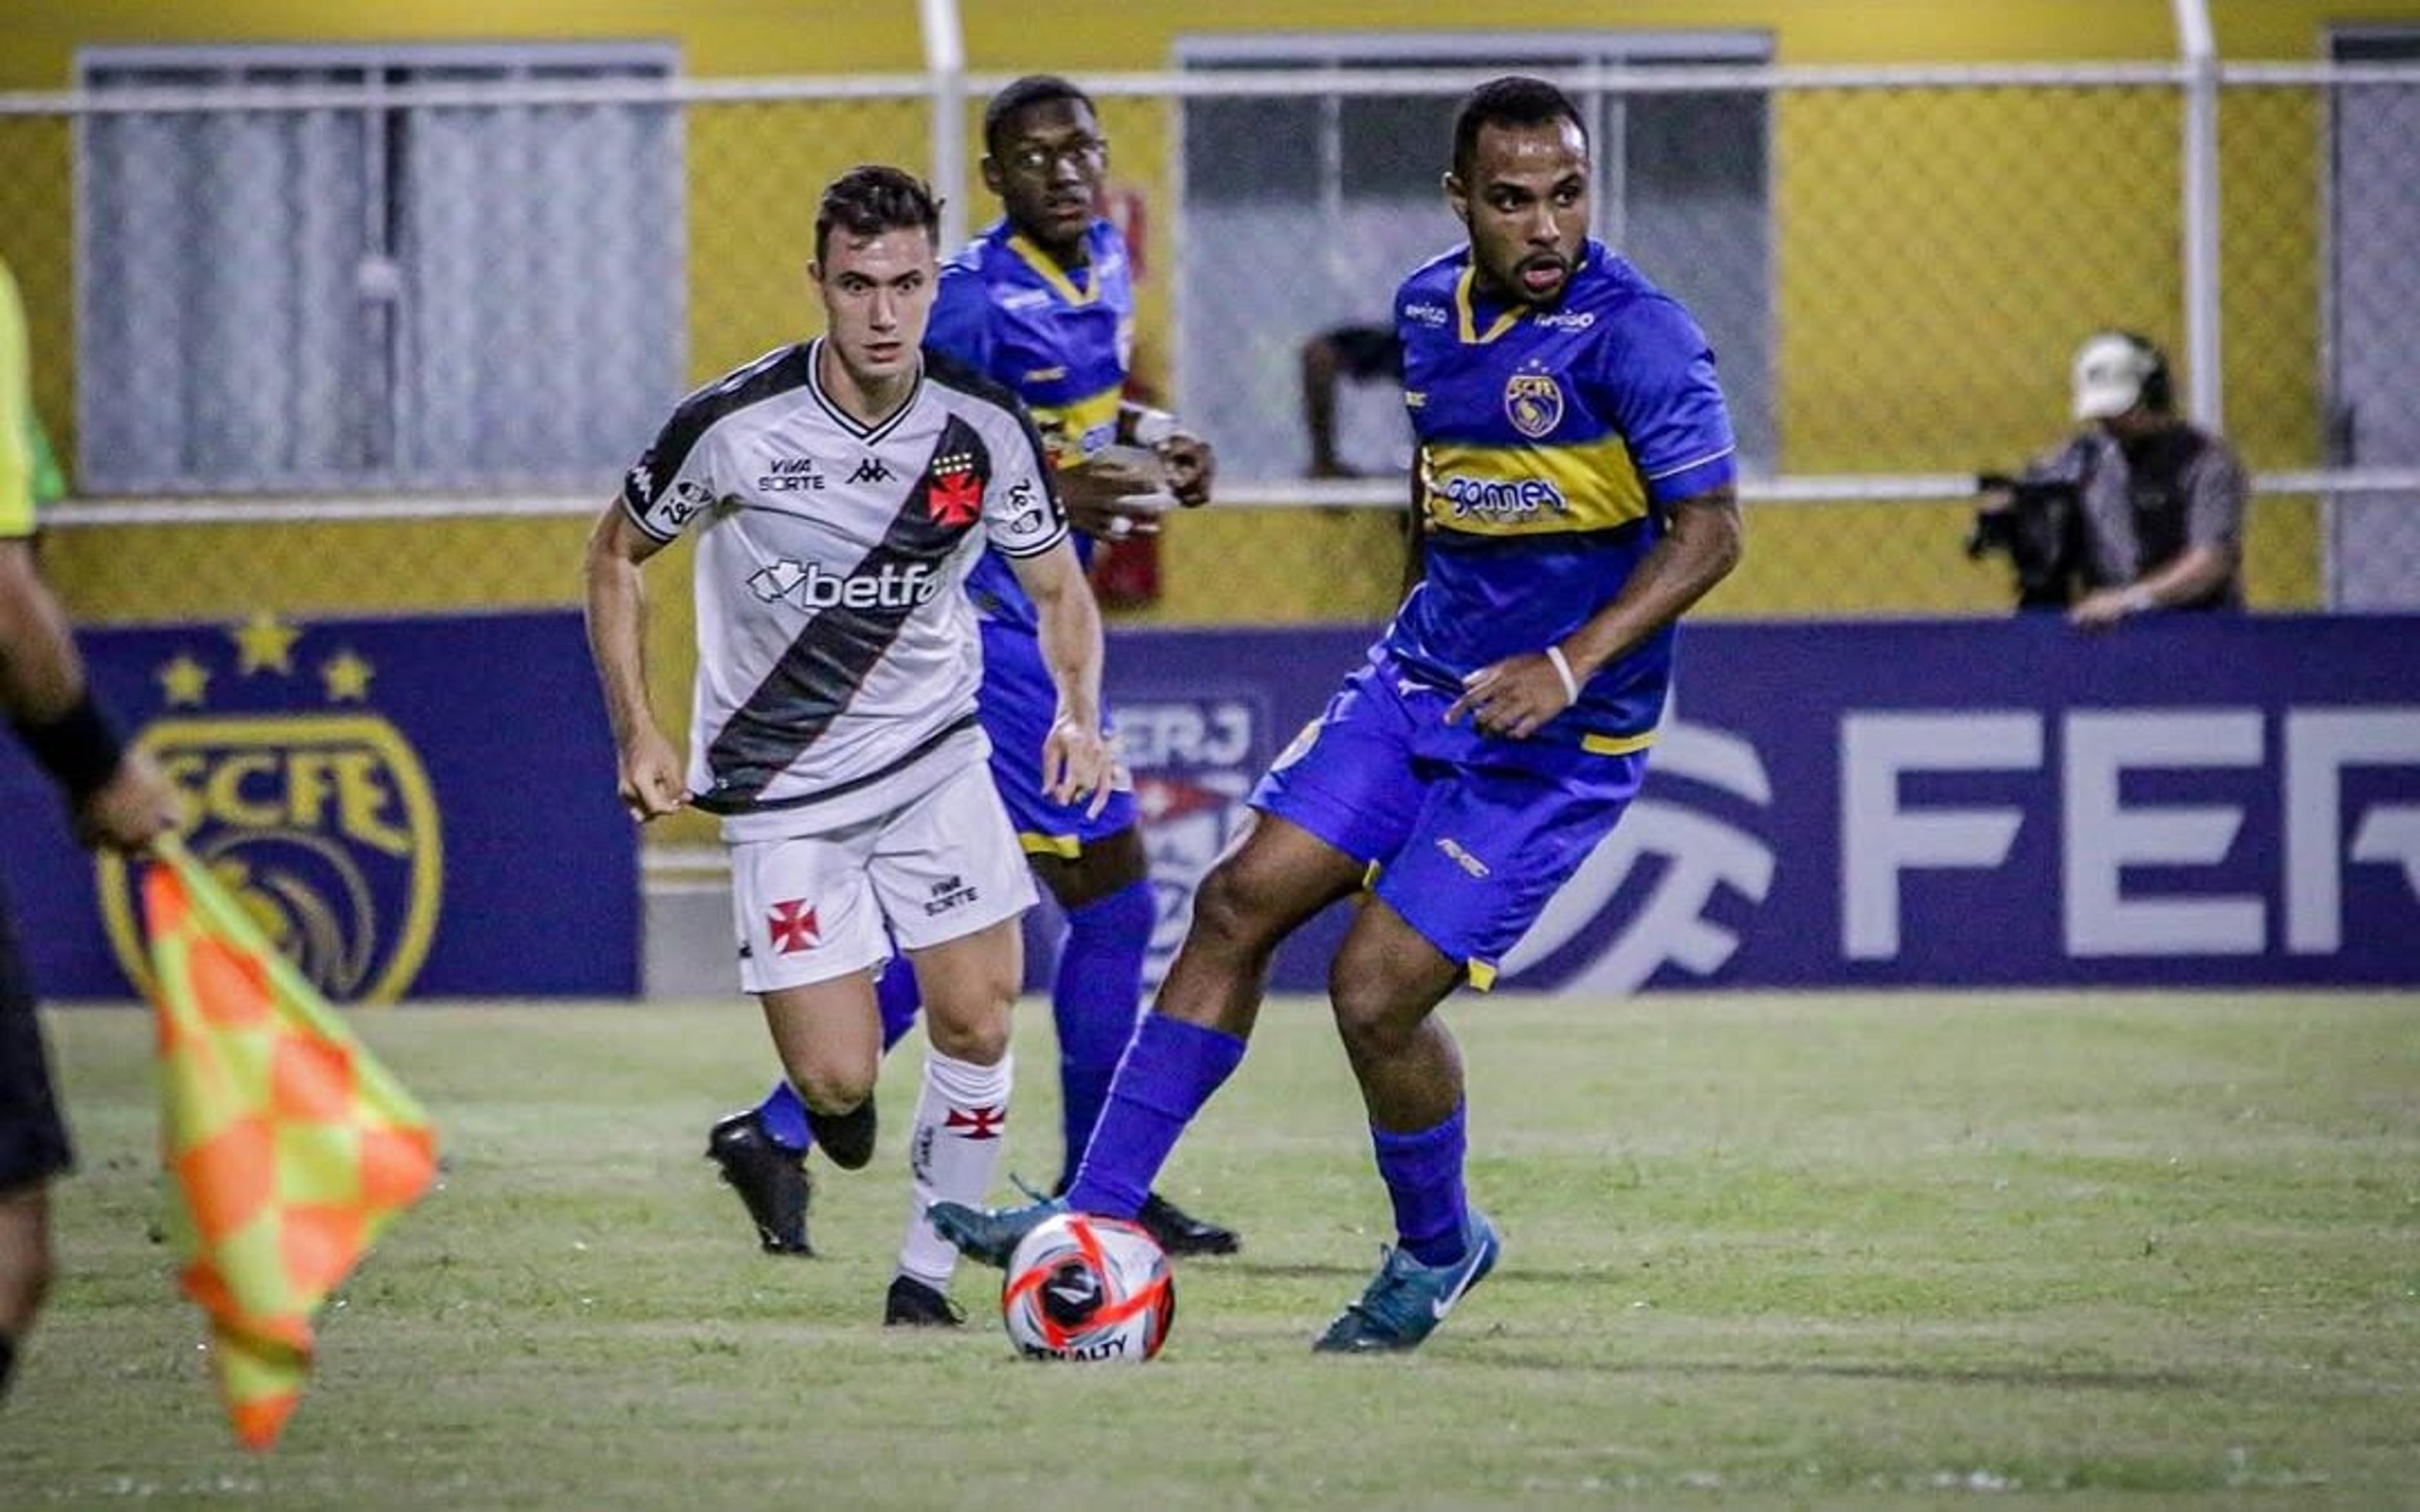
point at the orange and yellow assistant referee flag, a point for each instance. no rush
(292, 1147)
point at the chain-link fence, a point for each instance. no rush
(351, 331)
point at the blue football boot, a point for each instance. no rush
(1407, 1300)
(991, 1236)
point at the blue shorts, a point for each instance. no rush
(1017, 704)
(1469, 834)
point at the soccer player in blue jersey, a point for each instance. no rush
(1042, 302)
(1575, 490)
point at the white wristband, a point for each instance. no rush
(2138, 600)
(1563, 670)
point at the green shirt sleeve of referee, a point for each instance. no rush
(16, 416)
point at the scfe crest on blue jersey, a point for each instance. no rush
(1534, 404)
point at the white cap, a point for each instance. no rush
(2110, 371)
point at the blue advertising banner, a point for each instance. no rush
(415, 806)
(2186, 801)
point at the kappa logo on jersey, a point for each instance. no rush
(1534, 403)
(956, 490)
(809, 587)
(791, 474)
(976, 1123)
(948, 893)
(792, 927)
(642, 484)
(870, 470)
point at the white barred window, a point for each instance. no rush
(318, 290)
(1340, 191)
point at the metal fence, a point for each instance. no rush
(347, 330)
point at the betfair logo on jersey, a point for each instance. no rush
(1499, 501)
(320, 821)
(1534, 403)
(897, 585)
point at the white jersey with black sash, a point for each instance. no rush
(837, 654)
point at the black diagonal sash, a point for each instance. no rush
(823, 668)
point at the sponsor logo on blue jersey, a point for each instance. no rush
(1500, 499)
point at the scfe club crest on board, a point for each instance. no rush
(309, 803)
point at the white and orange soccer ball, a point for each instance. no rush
(1088, 1288)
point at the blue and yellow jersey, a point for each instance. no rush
(1061, 338)
(1549, 440)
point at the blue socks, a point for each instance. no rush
(783, 1115)
(1423, 1174)
(1094, 1002)
(1170, 1070)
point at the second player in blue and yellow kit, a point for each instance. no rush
(1548, 440)
(1060, 337)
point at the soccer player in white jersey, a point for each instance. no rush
(840, 489)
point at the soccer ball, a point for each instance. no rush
(1086, 1288)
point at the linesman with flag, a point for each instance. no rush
(116, 798)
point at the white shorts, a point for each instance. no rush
(812, 907)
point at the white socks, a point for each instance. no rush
(952, 1154)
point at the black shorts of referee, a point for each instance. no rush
(33, 1135)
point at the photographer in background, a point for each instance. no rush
(2142, 511)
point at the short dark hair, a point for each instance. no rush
(872, 198)
(1514, 100)
(1033, 90)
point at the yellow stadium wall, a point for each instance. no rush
(1829, 177)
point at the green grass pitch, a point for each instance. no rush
(1912, 1249)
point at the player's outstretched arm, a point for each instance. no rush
(1700, 546)
(650, 770)
(1074, 759)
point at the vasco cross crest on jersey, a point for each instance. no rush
(1534, 403)
(956, 490)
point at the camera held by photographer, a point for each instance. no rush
(2141, 510)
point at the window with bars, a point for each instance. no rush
(307, 285)
(1342, 192)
